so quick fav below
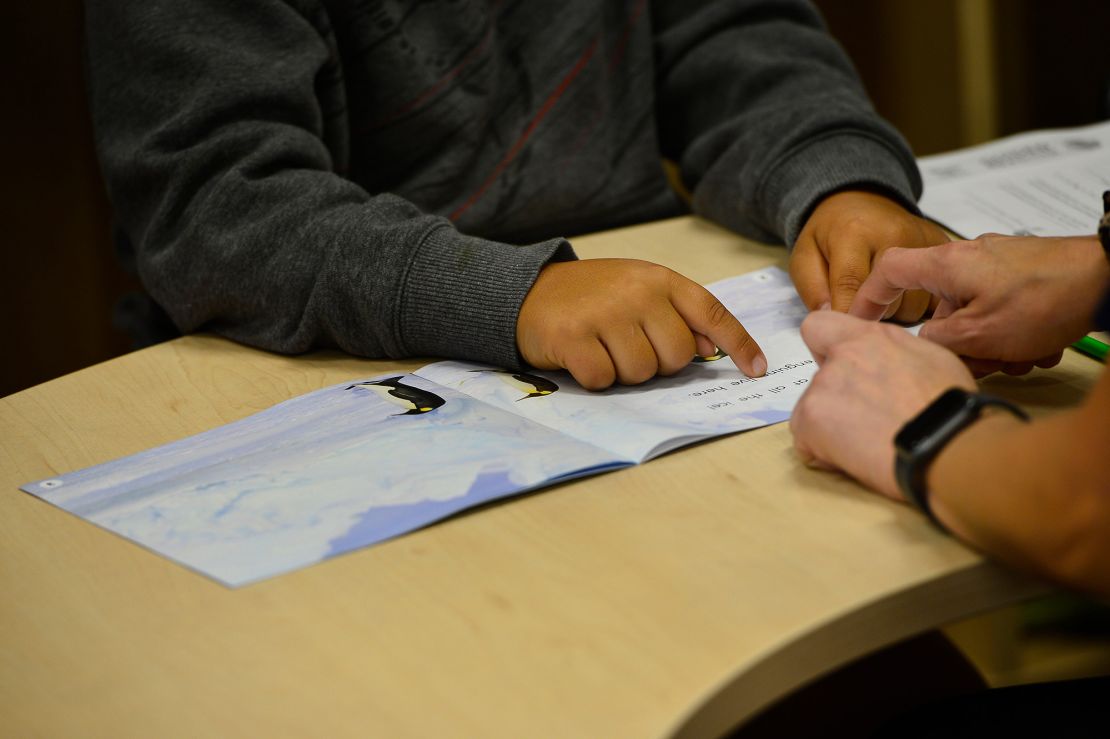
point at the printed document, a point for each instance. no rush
(1044, 183)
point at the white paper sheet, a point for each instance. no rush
(1044, 183)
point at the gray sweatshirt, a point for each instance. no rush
(388, 177)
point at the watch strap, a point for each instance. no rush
(912, 462)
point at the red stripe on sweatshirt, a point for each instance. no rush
(518, 145)
(622, 45)
(439, 84)
(448, 76)
(616, 56)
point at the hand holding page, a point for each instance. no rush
(361, 462)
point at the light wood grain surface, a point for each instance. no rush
(670, 599)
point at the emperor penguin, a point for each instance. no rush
(413, 399)
(534, 385)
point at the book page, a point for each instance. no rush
(706, 399)
(319, 475)
(1044, 183)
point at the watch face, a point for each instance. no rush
(934, 420)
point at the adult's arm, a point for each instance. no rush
(225, 166)
(1029, 494)
(1034, 495)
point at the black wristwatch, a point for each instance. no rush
(921, 440)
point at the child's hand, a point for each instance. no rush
(845, 233)
(625, 320)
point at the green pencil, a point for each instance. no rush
(1092, 348)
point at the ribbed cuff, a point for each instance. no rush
(831, 163)
(462, 295)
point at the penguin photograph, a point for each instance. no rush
(414, 400)
(533, 386)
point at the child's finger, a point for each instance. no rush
(810, 273)
(848, 271)
(590, 364)
(631, 352)
(672, 341)
(703, 345)
(704, 314)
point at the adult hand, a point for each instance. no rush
(873, 378)
(1006, 302)
(838, 244)
(626, 320)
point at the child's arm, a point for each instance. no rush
(222, 129)
(624, 320)
(776, 138)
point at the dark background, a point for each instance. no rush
(948, 73)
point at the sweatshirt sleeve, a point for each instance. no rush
(765, 115)
(225, 167)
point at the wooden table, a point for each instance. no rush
(671, 599)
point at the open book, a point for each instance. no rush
(367, 460)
